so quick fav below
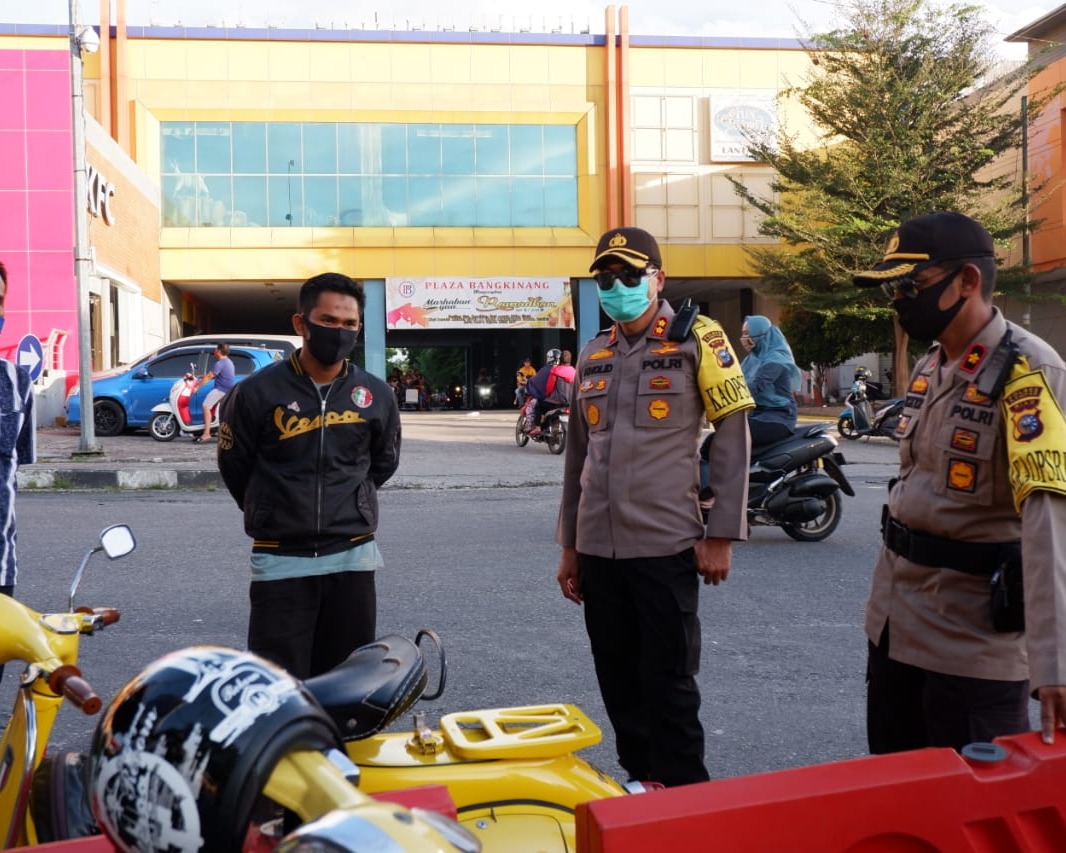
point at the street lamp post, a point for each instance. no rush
(82, 39)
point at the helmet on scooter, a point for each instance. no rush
(553, 357)
(184, 749)
(863, 373)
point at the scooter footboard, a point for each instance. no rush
(530, 731)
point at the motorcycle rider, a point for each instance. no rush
(549, 389)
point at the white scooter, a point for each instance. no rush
(174, 416)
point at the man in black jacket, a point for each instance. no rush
(303, 446)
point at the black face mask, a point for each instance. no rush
(329, 344)
(920, 317)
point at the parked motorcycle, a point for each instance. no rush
(795, 483)
(552, 429)
(861, 419)
(511, 772)
(174, 417)
(48, 644)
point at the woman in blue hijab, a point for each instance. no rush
(772, 377)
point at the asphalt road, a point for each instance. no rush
(783, 648)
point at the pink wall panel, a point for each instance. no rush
(13, 159)
(51, 219)
(50, 159)
(48, 100)
(12, 99)
(51, 281)
(37, 196)
(14, 235)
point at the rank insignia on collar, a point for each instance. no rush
(973, 358)
(659, 329)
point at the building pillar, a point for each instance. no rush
(374, 326)
(588, 311)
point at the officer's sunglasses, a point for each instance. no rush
(628, 276)
(908, 288)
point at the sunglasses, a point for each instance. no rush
(908, 288)
(628, 276)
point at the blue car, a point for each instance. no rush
(123, 397)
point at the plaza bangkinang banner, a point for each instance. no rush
(487, 303)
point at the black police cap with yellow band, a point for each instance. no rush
(633, 246)
(927, 241)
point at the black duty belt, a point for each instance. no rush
(974, 558)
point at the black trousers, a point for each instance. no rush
(643, 625)
(309, 625)
(911, 708)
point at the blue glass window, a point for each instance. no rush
(258, 174)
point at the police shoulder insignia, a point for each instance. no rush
(972, 360)
(660, 327)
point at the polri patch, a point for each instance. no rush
(901, 427)
(724, 357)
(965, 440)
(660, 383)
(974, 396)
(962, 475)
(592, 414)
(919, 386)
(658, 409)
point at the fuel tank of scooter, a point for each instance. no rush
(514, 785)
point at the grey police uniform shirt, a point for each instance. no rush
(954, 483)
(631, 476)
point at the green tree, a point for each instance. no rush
(908, 120)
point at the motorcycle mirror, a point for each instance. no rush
(115, 541)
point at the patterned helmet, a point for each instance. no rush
(554, 357)
(863, 373)
(184, 750)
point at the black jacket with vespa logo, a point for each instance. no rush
(305, 466)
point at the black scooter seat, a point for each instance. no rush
(375, 685)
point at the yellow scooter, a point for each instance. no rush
(511, 772)
(48, 644)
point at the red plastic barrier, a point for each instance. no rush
(92, 844)
(911, 802)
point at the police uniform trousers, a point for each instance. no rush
(644, 629)
(908, 707)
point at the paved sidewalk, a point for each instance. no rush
(440, 450)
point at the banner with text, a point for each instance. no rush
(486, 303)
(738, 117)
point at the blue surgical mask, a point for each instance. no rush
(624, 304)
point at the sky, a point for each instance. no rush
(770, 18)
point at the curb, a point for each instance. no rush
(41, 479)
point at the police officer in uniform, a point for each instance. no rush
(634, 543)
(980, 503)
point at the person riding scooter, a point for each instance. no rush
(549, 389)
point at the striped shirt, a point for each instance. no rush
(18, 446)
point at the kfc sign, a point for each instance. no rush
(101, 191)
